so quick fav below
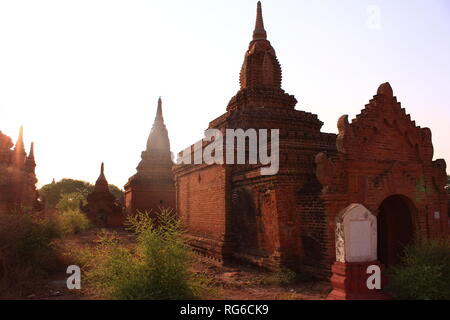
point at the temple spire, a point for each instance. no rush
(159, 115)
(101, 184)
(261, 66)
(158, 138)
(30, 163)
(259, 33)
(19, 143)
(31, 154)
(19, 150)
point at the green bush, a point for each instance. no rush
(72, 221)
(424, 273)
(27, 253)
(160, 267)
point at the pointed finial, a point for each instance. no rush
(101, 178)
(19, 150)
(101, 184)
(31, 155)
(259, 33)
(29, 162)
(30, 159)
(20, 137)
(385, 89)
(159, 115)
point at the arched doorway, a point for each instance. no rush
(395, 228)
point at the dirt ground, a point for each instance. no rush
(236, 282)
(244, 282)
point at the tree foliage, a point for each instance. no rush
(54, 192)
(71, 201)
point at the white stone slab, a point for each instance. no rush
(356, 235)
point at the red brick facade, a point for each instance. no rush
(287, 219)
(17, 176)
(385, 162)
(153, 187)
(233, 211)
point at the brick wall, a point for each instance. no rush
(202, 204)
(150, 197)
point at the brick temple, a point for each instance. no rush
(153, 187)
(17, 176)
(102, 208)
(381, 159)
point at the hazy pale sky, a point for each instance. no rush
(84, 76)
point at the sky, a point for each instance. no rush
(83, 77)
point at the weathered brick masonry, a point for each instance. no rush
(288, 219)
(385, 162)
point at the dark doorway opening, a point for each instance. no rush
(395, 228)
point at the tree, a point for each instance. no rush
(117, 193)
(70, 201)
(53, 192)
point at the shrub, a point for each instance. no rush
(158, 269)
(72, 221)
(27, 253)
(424, 273)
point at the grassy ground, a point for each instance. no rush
(236, 282)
